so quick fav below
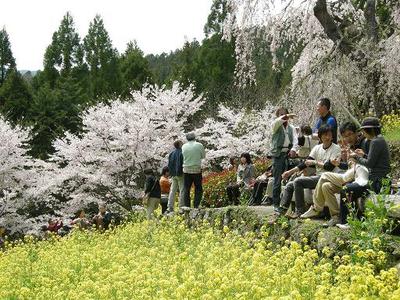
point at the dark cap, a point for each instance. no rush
(370, 122)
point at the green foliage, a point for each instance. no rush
(15, 98)
(7, 61)
(65, 50)
(214, 188)
(215, 184)
(102, 60)
(135, 69)
(54, 112)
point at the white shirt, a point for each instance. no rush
(323, 155)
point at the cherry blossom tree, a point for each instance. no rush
(236, 131)
(120, 140)
(18, 175)
(348, 50)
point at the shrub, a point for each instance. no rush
(391, 125)
(214, 185)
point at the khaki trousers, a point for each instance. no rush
(324, 194)
(152, 205)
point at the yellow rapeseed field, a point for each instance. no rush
(166, 260)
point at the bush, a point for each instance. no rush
(391, 125)
(215, 184)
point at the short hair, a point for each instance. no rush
(148, 171)
(324, 129)
(348, 126)
(246, 155)
(79, 211)
(373, 131)
(190, 136)
(325, 102)
(178, 144)
(164, 170)
(306, 129)
(281, 109)
(232, 160)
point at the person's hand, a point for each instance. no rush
(335, 162)
(310, 162)
(353, 154)
(345, 153)
(286, 175)
(359, 152)
(292, 154)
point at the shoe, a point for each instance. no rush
(343, 226)
(267, 201)
(332, 222)
(293, 215)
(311, 213)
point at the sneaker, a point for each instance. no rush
(311, 213)
(343, 226)
(332, 222)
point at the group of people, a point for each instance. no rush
(183, 171)
(101, 221)
(302, 159)
(352, 168)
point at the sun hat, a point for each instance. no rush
(370, 122)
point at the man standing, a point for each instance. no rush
(193, 152)
(325, 118)
(175, 166)
(282, 142)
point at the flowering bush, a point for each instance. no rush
(166, 260)
(391, 125)
(214, 188)
(215, 184)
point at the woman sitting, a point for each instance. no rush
(244, 178)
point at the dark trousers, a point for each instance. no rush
(164, 204)
(258, 191)
(188, 181)
(279, 166)
(233, 192)
(351, 193)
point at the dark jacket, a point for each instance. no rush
(362, 143)
(175, 163)
(153, 187)
(378, 160)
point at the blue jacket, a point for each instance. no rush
(329, 120)
(175, 163)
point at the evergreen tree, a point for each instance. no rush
(135, 69)
(64, 52)
(15, 98)
(102, 60)
(7, 61)
(55, 111)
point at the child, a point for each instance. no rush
(81, 221)
(165, 184)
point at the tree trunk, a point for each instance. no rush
(330, 27)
